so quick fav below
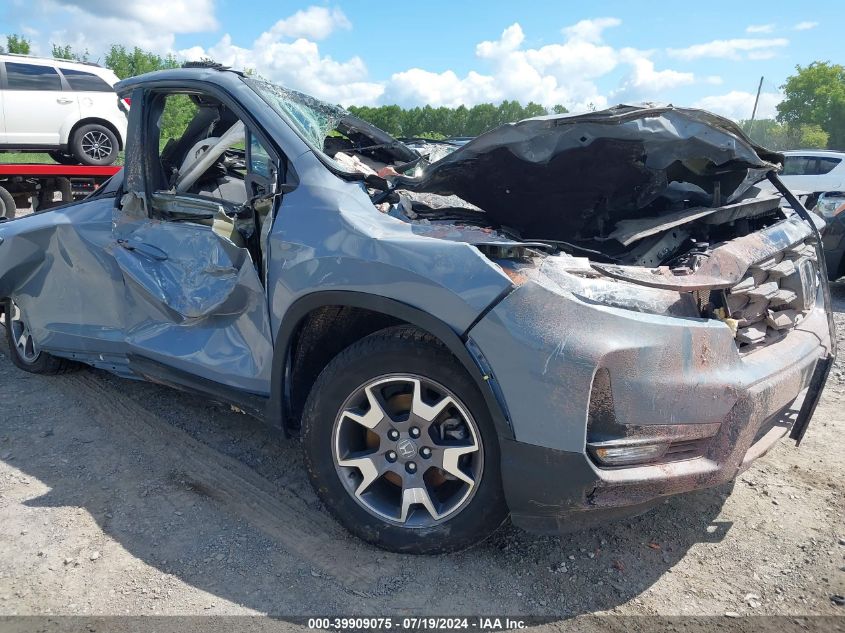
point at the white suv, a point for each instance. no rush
(812, 172)
(68, 109)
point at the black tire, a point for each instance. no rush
(89, 141)
(401, 350)
(38, 363)
(63, 159)
(7, 204)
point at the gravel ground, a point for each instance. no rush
(118, 497)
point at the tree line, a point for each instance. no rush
(772, 134)
(811, 115)
(442, 122)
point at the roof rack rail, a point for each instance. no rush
(205, 63)
(211, 65)
(53, 59)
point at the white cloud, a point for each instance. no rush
(805, 26)
(562, 72)
(297, 64)
(180, 16)
(644, 83)
(96, 24)
(738, 105)
(590, 30)
(97, 43)
(552, 74)
(416, 86)
(313, 23)
(760, 28)
(731, 49)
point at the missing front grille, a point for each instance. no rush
(774, 296)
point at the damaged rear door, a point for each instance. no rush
(196, 309)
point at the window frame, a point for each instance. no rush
(151, 157)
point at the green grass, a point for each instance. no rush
(16, 158)
(24, 157)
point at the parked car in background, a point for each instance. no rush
(66, 108)
(812, 172)
(818, 178)
(831, 207)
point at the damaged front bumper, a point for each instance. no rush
(563, 365)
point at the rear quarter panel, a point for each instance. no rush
(58, 267)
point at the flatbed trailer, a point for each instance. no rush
(35, 185)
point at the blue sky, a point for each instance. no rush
(445, 53)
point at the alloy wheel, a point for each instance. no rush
(407, 450)
(96, 144)
(21, 335)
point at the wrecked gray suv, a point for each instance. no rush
(563, 321)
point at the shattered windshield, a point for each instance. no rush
(314, 119)
(348, 144)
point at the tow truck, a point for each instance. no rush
(36, 184)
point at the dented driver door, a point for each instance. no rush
(196, 310)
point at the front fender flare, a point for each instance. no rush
(294, 316)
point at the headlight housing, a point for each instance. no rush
(591, 286)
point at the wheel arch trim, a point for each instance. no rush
(97, 121)
(302, 307)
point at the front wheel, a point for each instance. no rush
(400, 446)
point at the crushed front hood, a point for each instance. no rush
(569, 177)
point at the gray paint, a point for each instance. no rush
(100, 281)
(328, 237)
(57, 267)
(666, 366)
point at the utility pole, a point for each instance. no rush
(756, 101)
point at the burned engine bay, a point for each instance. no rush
(630, 185)
(660, 197)
(639, 186)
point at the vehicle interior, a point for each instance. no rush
(207, 153)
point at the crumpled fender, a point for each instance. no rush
(329, 236)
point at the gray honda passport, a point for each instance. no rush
(561, 322)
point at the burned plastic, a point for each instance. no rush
(579, 180)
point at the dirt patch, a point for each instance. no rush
(120, 497)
